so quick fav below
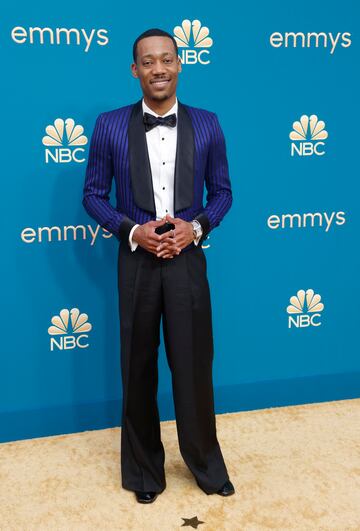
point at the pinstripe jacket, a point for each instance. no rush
(118, 150)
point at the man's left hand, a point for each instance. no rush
(183, 235)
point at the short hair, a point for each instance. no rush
(153, 32)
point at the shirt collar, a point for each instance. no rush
(173, 109)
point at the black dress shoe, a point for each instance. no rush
(145, 497)
(227, 489)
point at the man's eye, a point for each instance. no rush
(168, 60)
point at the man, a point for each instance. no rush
(160, 153)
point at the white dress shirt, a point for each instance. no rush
(161, 143)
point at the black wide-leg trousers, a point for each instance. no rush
(176, 289)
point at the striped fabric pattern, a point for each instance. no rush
(108, 159)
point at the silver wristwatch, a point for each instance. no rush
(197, 228)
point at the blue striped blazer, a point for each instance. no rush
(118, 150)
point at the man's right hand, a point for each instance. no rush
(147, 238)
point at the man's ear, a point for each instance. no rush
(179, 65)
(134, 70)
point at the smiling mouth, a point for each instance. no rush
(160, 82)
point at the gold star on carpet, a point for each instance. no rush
(191, 522)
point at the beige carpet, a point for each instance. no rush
(293, 468)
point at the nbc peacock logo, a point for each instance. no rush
(304, 309)
(191, 34)
(69, 330)
(63, 141)
(309, 134)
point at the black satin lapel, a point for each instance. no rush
(140, 169)
(184, 165)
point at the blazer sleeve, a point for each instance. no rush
(98, 181)
(217, 181)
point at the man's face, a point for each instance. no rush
(157, 67)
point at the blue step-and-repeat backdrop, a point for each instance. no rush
(283, 265)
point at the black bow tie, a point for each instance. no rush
(151, 121)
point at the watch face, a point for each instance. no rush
(196, 228)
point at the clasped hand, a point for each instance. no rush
(168, 244)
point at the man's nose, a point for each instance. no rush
(159, 67)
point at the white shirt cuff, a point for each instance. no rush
(132, 244)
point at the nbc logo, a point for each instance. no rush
(301, 317)
(199, 35)
(55, 141)
(70, 329)
(308, 134)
